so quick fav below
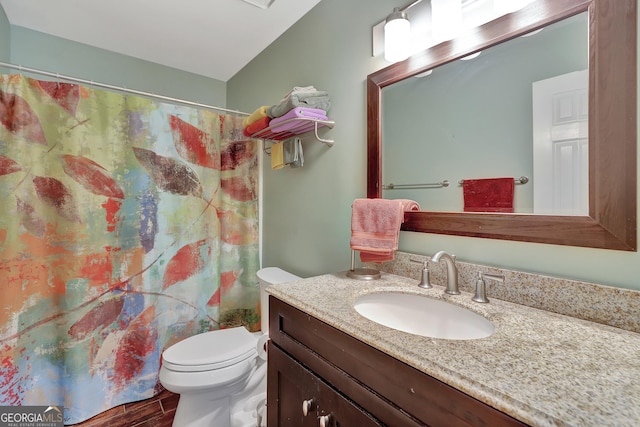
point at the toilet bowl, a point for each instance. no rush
(221, 375)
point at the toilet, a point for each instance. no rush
(221, 376)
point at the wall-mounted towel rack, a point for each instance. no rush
(392, 186)
(521, 180)
(271, 133)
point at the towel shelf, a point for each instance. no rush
(271, 133)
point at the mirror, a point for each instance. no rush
(458, 122)
(611, 221)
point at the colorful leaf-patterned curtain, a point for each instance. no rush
(126, 225)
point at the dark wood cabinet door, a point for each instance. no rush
(289, 387)
(340, 411)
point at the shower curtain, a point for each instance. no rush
(126, 225)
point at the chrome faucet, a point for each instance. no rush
(452, 271)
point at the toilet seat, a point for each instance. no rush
(211, 350)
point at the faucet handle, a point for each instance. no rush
(481, 288)
(496, 277)
(425, 281)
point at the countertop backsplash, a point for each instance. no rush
(611, 306)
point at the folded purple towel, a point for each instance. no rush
(297, 126)
(302, 112)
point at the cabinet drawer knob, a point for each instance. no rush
(325, 420)
(307, 406)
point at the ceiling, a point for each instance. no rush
(213, 38)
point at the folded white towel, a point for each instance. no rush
(299, 89)
(316, 99)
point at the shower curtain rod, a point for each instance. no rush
(117, 88)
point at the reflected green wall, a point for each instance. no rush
(459, 122)
(307, 211)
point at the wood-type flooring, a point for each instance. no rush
(155, 412)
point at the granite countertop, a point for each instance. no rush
(542, 368)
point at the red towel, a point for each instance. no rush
(488, 195)
(375, 227)
(254, 127)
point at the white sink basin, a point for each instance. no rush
(424, 316)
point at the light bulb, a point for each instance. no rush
(446, 19)
(397, 37)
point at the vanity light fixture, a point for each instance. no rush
(446, 19)
(397, 36)
(433, 22)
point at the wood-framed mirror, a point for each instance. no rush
(611, 223)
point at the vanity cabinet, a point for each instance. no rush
(344, 382)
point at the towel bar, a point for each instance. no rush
(361, 273)
(392, 186)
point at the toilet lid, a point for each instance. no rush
(275, 275)
(211, 350)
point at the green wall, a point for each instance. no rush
(5, 37)
(307, 211)
(54, 54)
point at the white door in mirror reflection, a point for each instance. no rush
(561, 145)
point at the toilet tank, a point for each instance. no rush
(270, 276)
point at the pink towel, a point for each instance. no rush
(375, 227)
(488, 195)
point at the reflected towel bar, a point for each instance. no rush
(521, 180)
(392, 186)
